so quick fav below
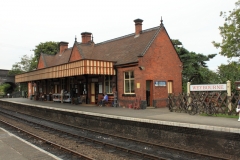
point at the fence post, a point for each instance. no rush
(188, 88)
(229, 95)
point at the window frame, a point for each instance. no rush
(129, 79)
(110, 83)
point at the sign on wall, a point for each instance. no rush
(208, 87)
(138, 85)
(160, 83)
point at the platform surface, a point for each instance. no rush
(15, 148)
(153, 115)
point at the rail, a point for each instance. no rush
(113, 136)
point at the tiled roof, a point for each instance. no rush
(123, 50)
(53, 60)
(86, 50)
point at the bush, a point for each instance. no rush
(4, 88)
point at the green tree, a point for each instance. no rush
(49, 47)
(230, 32)
(46, 48)
(194, 66)
(229, 72)
(4, 88)
(208, 76)
(23, 66)
(29, 63)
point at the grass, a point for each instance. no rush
(221, 115)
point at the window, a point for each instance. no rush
(170, 84)
(108, 81)
(129, 82)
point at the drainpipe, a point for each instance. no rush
(116, 81)
(116, 101)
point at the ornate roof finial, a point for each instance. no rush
(161, 21)
(75, 38)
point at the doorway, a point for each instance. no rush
(149, 91)
(92, 94)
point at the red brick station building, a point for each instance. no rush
(142, 66)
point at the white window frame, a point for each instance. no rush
(129, 79)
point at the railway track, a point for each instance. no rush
(60, 147)
(122, 147)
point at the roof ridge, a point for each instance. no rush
(128, 35)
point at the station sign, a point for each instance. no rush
(208, 87)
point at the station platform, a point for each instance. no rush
(15, 148)
(150, 115)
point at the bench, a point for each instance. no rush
(109, 103)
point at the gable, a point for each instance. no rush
(162, 48)
(162, 56)
(167, 47)
(40, 62)
(75, 55)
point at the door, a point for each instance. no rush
(92, 94)
(149, 91)
(169, 85)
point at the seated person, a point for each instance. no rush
(104, 100)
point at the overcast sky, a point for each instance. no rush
(26, 23)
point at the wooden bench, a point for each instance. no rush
(109, 103)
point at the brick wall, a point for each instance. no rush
(40, 63)
(161, 63)
(75, 54)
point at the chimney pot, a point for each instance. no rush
(63, 46)
(138, 26)
(86, 37)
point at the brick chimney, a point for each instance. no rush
(86, 37)
(138, 26)
(63, 46)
